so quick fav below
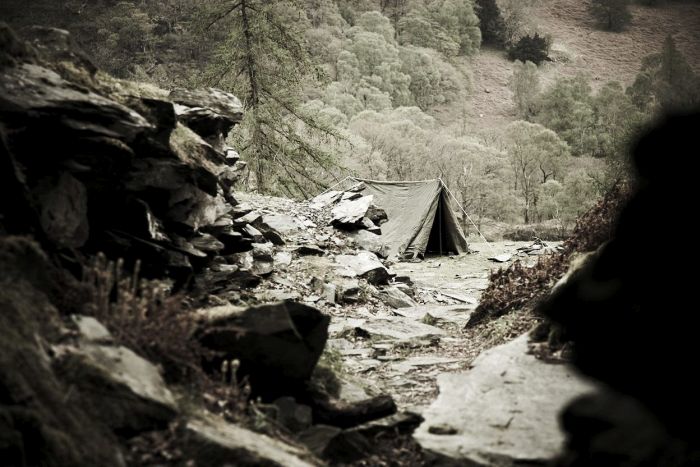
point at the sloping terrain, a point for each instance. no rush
(579, 46)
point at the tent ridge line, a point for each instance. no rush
(393, 181)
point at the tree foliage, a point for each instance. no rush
(525, 85)
(536, 155)
(613, 15)
(529, 48)
(666, 82)
(493, 27)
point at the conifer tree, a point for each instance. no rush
(264, 61)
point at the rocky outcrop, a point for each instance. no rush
(628, 317)
(130, 170)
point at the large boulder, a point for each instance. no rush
(278, 345)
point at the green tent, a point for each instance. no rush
(421, 219)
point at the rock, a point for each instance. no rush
(411, 363)
(263, 251)
(39, 424)
(211, 441)
(357, 187)
(460, 298)
(263, 267)
(90, 329)
(350, 195)
(318, 437)
(124, 390)
(64, 204)
(211, 113)
(395, 298)
(310, 249)
(252, 218)
(278, 344)
(253, 233)
(457, 314)
(348, 291)
(405, 288)
(400, 328)
(282, 259)
(325, 199)
(366, 265)
(275, 295)
(329, 293)
(56, 45)
(348, 214)
(504, 408)
(295, 417)
(280, 223)
(30, 93)
(274, 237)
(241, 210)
(207, 243)
(401, 423)
(376, 214)
(614, 429)
(503, 258)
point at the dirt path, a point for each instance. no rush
(403, 351)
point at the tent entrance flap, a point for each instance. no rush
(420, 217)
(442, 240)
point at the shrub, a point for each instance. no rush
(530, 48)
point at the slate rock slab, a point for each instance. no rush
(504, 411)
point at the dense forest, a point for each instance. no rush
(380, 89)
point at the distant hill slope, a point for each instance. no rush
(580, 47)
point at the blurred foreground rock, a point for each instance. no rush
(503, 411)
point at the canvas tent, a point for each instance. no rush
(421, 219)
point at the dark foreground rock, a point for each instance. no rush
(39, 425)
(633, 324)
(278, 345)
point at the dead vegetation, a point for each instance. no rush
(519, 286)
(144, 315)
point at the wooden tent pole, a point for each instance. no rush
(439, 207)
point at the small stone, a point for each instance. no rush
(442, 429)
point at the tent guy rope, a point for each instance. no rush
(465, 213)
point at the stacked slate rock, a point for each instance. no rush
(91, 163)
(355, 214)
